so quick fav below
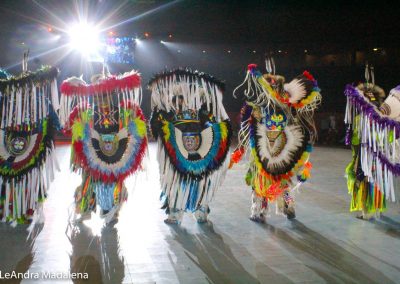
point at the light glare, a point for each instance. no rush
(84, 38)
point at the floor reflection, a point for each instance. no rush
(17, 249)
(214, 257)
(330, 261)
(326, 244)
(97, 255)
(388, 225)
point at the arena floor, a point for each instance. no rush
(324, 244)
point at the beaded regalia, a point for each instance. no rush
(193, 134)
(28, 106)
(277, 128)
(109, 138)
(373, 132)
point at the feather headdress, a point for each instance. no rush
(110, 89)
(197, 89)
(28, 99)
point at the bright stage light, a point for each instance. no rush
(84, 38)
(162, 42)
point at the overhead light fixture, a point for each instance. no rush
(84, 38)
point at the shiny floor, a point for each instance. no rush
(325, 244)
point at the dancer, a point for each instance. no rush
(277, 127)
(193, 133)
(109, 138)
(373, 132)
(28, 105)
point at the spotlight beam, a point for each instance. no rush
(82, 10)
(50, 13)
(38, 55)
(162, 7)
(114, 11)
(84, 38)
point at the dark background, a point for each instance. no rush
(331, 39)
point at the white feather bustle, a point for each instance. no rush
(294, 140)
(207, 137)
(28, 103)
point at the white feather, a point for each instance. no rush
(296, 91)
(179, 143)
(294, 140)
(207, 138)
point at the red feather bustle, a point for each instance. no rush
(105, 86)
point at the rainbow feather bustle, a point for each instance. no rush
(28, 112)
(189, 104)
(109, 139)
(278, 129)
